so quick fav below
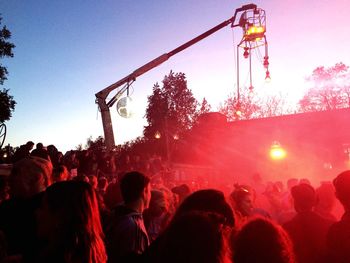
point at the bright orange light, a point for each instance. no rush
(255, 33)
(277, 153)
(255, 30)
(157, 135)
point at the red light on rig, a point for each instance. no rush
(267, 76)
(266, 62)
(246, 52)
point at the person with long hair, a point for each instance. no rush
(69, 225)
(201, 203)
(193, 237)
(261, 240)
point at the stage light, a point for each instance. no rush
(277, 152)
(254, 33)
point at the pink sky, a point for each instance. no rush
(67, 51)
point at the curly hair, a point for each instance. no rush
(261, 240)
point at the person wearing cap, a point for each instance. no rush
(338, 238)
(307, 229)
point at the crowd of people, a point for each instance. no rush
(88, 208)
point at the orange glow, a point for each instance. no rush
(157, 135)
(255, 33)
(255, 30)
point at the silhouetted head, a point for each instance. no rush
(194, 237)
(208, 200)
(60, 173)
(342, 186)
(29, 145)
(102, 184)
(113, 195)
(134, 186)
(182, 191)
(261, 240)
(304, 197)
(39, 146)
(159, 203)
(326, 198)
(242, 199)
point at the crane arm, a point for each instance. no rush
(102, 95)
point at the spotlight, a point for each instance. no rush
(277, 152)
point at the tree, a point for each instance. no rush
(171, 111)
(330, 90)
(96, 145)
(245, 108)
(7, 103)
(274, 105)
(205, 107)
(5, 50)
(171, 108)
(251, 106)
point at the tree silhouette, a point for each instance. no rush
(171, 108)
(171, 111)
(7, 103)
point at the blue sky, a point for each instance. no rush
(66, 51)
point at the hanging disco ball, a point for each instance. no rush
(124, 107)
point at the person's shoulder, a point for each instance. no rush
(121, 210)
(123, 214)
